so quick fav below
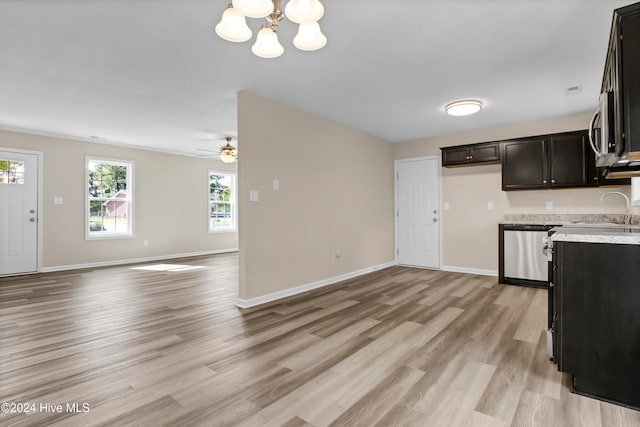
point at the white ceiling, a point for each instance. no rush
(153, 73)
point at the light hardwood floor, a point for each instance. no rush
(399, 347)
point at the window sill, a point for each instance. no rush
(110, 237)
(228, 230)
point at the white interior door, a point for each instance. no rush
(418, 198)
(18, 212)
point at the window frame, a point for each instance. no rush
(233, 202)
(130, 233)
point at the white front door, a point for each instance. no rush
(18, 212)
(418, 198)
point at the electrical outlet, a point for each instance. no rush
(490, 205)
(549, 204)
(145, 243)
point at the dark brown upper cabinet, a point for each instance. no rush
(620, 77)
(465, 155)
(550, 161)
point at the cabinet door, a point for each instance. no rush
(568, 160)
(455, 156)
(630, 69)
(484, 153)
(598, 322)
(524, 164)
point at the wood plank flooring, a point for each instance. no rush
(398, 347)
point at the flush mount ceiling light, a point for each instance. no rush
(233, 26)
(228, 153)
(464, 107)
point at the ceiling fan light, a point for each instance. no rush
(464, 107)
(254, 8)
(228, 153)
(303, 11)
(227, 157)
(267, 44)
(233, 26)
(309, 37)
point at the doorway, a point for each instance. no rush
(19, 211)
(418, 212)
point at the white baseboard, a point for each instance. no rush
(252, 302)
(478, 271)
(135, 260)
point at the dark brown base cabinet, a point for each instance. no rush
(596, 319)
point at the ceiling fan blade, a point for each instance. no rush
(202, 149)
(205, 155)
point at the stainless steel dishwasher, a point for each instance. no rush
(523, 251)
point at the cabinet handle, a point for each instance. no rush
(544, 181)
(553, 181)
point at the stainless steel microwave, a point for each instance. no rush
(601, 131)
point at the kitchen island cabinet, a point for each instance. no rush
(596, 312)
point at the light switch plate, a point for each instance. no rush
(58, 200)
(490, 205)
(254, 195)
(446, 206)
(276, 184)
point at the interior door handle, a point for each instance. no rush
(32, 219)
(435, 219)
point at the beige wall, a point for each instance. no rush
(336, 193)
(170, 202)
(470, 230)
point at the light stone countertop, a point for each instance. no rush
(588, 228)
(562, 219)
(594, 233)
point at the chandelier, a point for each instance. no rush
(228, 153)
(233, 26)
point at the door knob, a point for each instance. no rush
(435, 219)
(32, 219)
(32, 211)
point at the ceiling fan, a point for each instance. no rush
(228, 153)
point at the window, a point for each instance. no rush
(109, 198)
(11, 172)
(222, 201)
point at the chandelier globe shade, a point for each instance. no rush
(233, 26)
(303, 11)
(267, 44)
(254, 8)
(309, 37)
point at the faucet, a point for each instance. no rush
(627, 216)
